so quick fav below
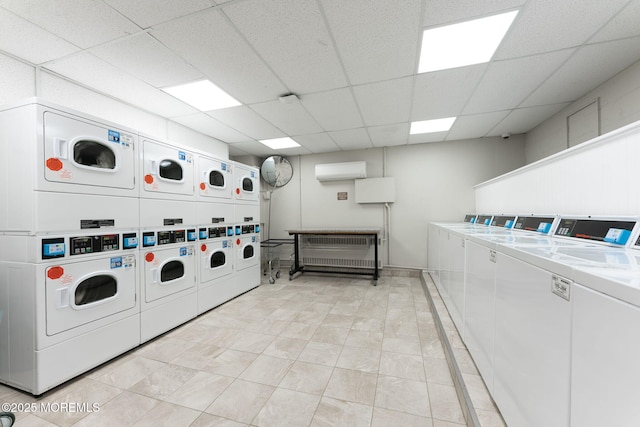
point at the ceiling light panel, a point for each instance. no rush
(203, 95)
(431, 126)
(465, 43)
(280, 143)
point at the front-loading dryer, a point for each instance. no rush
(247, 247)
(215, 179)
(247, 184)
(70, 303)
(167, 171)
(168, 283)
(64, 169)
(216, 283)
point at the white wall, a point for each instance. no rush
(20, 80)
(598, 177)
(434, 182)
(619, 102)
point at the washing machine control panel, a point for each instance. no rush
(541, 224)
(609, 231)
(215, 232)
(58, 247)
(503, 221)
(171, 236)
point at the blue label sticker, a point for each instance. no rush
(116, 262)
(473, 220)
(182, 155)
(508, 224)
(149, 240)
(130, 242)
(223, 166)
(192, 236)
(487, 221)
(114, 136)
(257, 228)
(53, 249)
(617, 236)
(544, 227)
(253, 239)
(225, 244)
(183, 251)
(203, 234)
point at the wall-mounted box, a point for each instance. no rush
(341, 171)
(375, 190)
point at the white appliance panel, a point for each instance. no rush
(163, 213)
(604, 361)
(168, 271)
(216, 259)
(247, 183)
(78, 293)
(167, 171)
(83, 153)
(215, 179)
(532, 345)
(479, 310)
(209, 213)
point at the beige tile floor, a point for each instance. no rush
(316, 351)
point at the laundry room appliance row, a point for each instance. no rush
(109, 238)
(548, 314)
(50, 154)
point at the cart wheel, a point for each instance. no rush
(278, 274)
(272, 280)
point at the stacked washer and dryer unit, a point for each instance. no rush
(102, 240)
(68, 244)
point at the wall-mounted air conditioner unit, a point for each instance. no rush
(339, 171)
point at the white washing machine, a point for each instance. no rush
(533, 319)
(69, 303)
(168, 280)
(215, 179)
(247, 183)
(247, 247)
(49, 155)
(168, 171)
(605, 348)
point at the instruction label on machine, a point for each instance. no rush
(561, 287)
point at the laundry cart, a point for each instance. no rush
(273, 252)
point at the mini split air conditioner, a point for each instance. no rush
(338, 171)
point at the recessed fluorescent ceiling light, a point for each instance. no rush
(466, 43)
(280, 143)
(203, 95)
(430, 126)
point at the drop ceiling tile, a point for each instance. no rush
(444, 93)
(376, 39)
(333, 110)
(438, 12)
(18, 80)
(209, 126)
(147, 59)
(246, 121)
(95, 73)
(318, 143)
(523, 120)
(209, 43)
(589, 67)
(251, 147)
(389, 135)
(507, 83)
(294, 151)
(292, 119)
(624, 24)
(28, 41)
(290, 35)
(352, 139)
(146, 13)
(85, 23)
(545, 26)
(475, 126)
(385, 102)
